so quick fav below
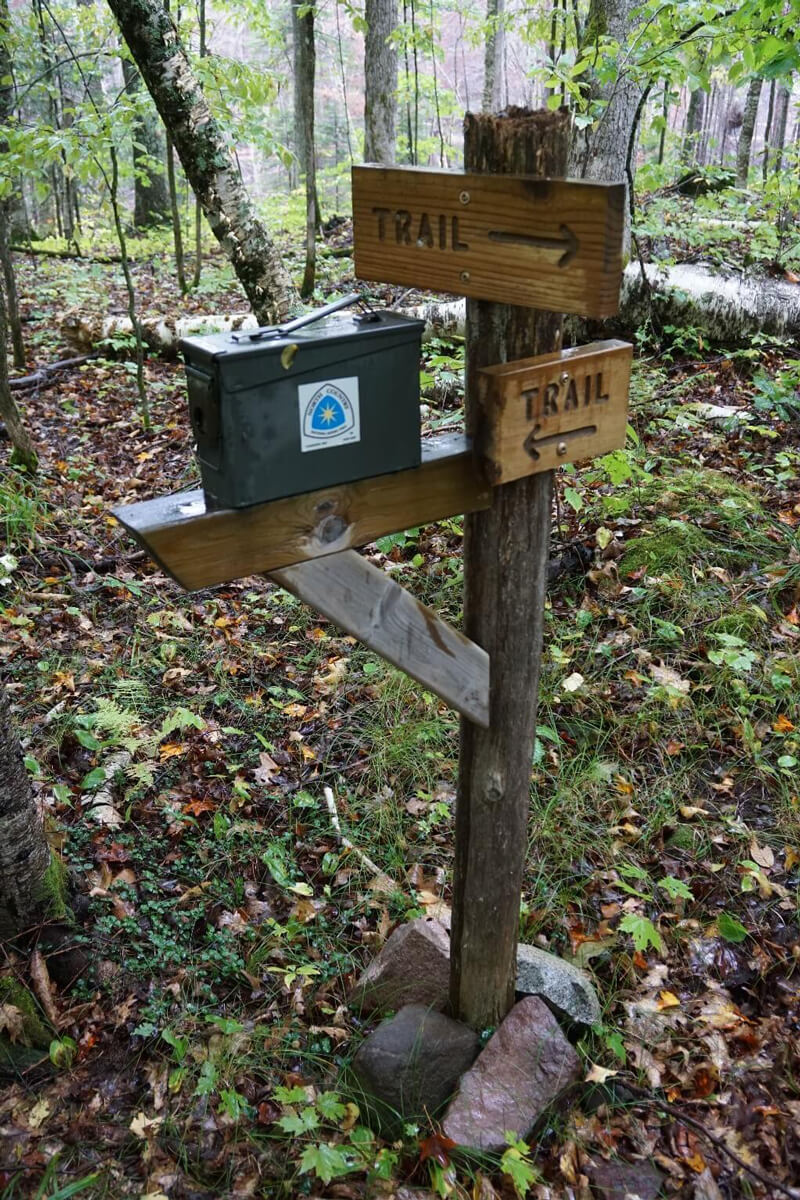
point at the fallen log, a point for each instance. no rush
(727, 309)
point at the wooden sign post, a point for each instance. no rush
(507, 229)
(505, 572)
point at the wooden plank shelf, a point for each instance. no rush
(199, 548)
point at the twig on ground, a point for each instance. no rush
(677, 1114)
(345, 841)
(43, 377)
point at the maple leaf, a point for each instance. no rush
(437, 1147)
(196, 807)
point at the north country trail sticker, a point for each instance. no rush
(329, 413)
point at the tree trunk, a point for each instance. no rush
(150, 198)
(690, 156)
(175, 212)
(768, 132)
(494, 58)
(605, 150)
(198, 209)
(305, 62)
(782, 98)
(505, 572)
(6, 112)
(380, 81)
(747, 131)
(154, 43)
(24, 853)
(20, 440)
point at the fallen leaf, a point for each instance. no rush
(267, 768)
(198, 806)
(689, 811)
(170, 750)
(667, 677)
(783, 724)
(12, 1021)
(668, 1000)
(762, 855)
(792, 857)
(38, 1114)
(573, 682)
(437, 1147)
(598, 1074)
(143, 1126)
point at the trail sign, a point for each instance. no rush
(554, 244)
(538, 413)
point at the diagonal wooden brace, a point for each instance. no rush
(302, 543)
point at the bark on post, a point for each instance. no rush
(505, 568)
(154, 43)
(380, 81)
(24, 853)
(747, 130)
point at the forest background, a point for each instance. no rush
(181, 935)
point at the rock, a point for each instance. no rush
(413, 967)
(411, 1063)
(524, 1066)
(616, 1180)
(567, 990)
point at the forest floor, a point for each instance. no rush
(180, 745)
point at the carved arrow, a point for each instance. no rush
(568, 242)
(532, 442)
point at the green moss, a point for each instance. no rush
(34, 1030)
(702, 494)
(739, 623)
(672, 546)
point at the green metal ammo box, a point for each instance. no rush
(289, 409)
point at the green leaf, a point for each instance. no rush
(573, 498)
(516, 1163)
(303, 1122)
(643, 932)
(207, 1081)
(326, 1161)
(62, 1052)
(93, 780)
(292, 1095)
(730, 929)
(676, 889)
(330, 1106)
(87, 739)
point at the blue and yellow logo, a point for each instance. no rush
(329, 414)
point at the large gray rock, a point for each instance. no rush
(521, 1070)
(567, 989)
(413, 967)
(411, 1064)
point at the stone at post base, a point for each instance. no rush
(567, 989)
(522, 1069)
(413, 967)
(409, 1066)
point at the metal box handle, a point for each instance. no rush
(255, 335)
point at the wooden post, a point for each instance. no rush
(505, 571)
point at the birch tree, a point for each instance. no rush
(154, 43)
(25, 861)
(747, 130)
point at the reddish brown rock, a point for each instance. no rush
(410, 1065)
(413, 967)
(617, 1180)
(524, 1066)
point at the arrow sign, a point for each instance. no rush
(533, 443)
(566, 242)
(491, 237)
(538, 413)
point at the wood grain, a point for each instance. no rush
(200, 548)
(505, 574)
(544, 243)
(540, 412)
(370, 605)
